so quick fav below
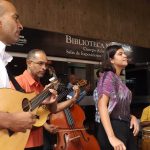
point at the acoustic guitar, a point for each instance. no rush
(14, 101)
(42, 112)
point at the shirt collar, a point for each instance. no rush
(2, 48)
(30, 78)
(5, 57)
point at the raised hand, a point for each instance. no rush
(76, 92)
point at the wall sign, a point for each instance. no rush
(59, 45)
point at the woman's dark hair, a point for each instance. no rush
(98, 72)
(109, 53)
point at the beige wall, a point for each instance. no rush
(113, 20)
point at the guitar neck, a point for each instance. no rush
(64, 94)
(37, 100)
(67, 91)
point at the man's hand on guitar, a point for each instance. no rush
(52, 98)
(20, 121)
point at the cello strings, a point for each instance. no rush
(71, 124)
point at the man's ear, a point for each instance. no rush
(28, 62)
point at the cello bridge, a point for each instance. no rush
(74, 138)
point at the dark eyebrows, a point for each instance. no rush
(121, 52)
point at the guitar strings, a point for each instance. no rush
(80, 83)
(40, 98)
(33, 103)
(60, 96)
(37, 99)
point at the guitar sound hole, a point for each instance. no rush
(26, 104)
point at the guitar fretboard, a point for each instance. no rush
(65, 93)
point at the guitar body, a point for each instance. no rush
(42, 113)
(11, 101)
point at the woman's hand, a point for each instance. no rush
(134, 125)
(116, 143)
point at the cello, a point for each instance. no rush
(71, 132)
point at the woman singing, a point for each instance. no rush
(118, 127)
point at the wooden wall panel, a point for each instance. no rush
(114, 20)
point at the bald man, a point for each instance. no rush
(10, 28)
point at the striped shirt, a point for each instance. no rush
(119, 95)
(95, 98)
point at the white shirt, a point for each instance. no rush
(4, 59)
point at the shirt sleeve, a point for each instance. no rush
(105, 84)
(144, 116)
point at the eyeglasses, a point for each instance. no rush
(41, 63)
